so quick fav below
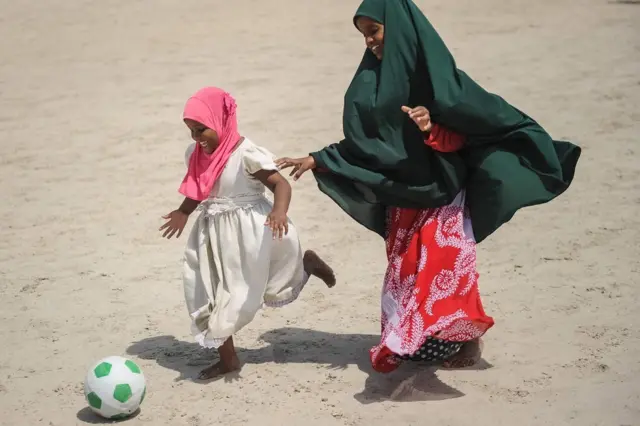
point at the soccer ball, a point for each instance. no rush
(114, 387)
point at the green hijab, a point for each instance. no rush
(509, 161)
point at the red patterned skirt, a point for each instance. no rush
(431, 285)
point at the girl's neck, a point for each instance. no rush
(234, 148)
(238, 143)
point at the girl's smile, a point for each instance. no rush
(205, 137)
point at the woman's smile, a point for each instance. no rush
(373, 33)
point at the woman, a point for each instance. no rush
(431, 190)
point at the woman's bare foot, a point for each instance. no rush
(228, 363)
(468, 355)
(315, 266)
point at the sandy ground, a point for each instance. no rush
(91, 148)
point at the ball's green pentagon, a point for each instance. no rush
(94, 401)
(122, 393)
(103, 369)
(144, 393)
(132, 366)
(121, 416)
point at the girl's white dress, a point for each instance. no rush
(232, 264)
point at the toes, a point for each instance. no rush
(329, 277)
(314, 265)
(459, 363)
(209, 373)
(469, 362)
(452, 363)
(204, 375)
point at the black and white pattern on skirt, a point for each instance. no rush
(434, 350)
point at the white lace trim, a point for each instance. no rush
(220, 205)
(295, 293)
(209, 342)
(215, 342)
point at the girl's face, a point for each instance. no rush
(206, 137)
(373, 33)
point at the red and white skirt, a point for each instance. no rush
(431, 285)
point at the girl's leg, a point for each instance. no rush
(228, 363)
(314, 265)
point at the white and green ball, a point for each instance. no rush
(115, 387)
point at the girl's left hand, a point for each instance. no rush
(278, 223)
(420, 115)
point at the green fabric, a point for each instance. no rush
(508, 162)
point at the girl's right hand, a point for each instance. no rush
(176, 221)
(300, 165)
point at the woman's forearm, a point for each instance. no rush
(444, 140)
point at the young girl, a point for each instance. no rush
(233, 262)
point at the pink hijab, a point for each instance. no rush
(215, 109)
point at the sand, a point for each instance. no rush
(91, 94)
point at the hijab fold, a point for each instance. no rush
(509, 161)
(215, 109)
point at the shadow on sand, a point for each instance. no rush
(411, 382)
(86, 415)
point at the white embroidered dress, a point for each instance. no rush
(232, 264)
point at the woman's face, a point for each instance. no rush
(373, 33)
(206, 137)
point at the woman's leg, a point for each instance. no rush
(431, 289)
(228, 363)
(468, 355)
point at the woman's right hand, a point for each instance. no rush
(299, 165)
(420, 115)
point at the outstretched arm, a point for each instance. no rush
(188, 206)
(177, 219)
(299, 165)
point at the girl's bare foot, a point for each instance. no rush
(228, 363)
(218, 369)
(315, 266)
(468, 355)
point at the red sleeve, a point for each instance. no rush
(444, 140)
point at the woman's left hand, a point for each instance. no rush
(420, 115)
(300, 165)
(278, 223)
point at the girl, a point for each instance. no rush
(432, 191)
(232, 265)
